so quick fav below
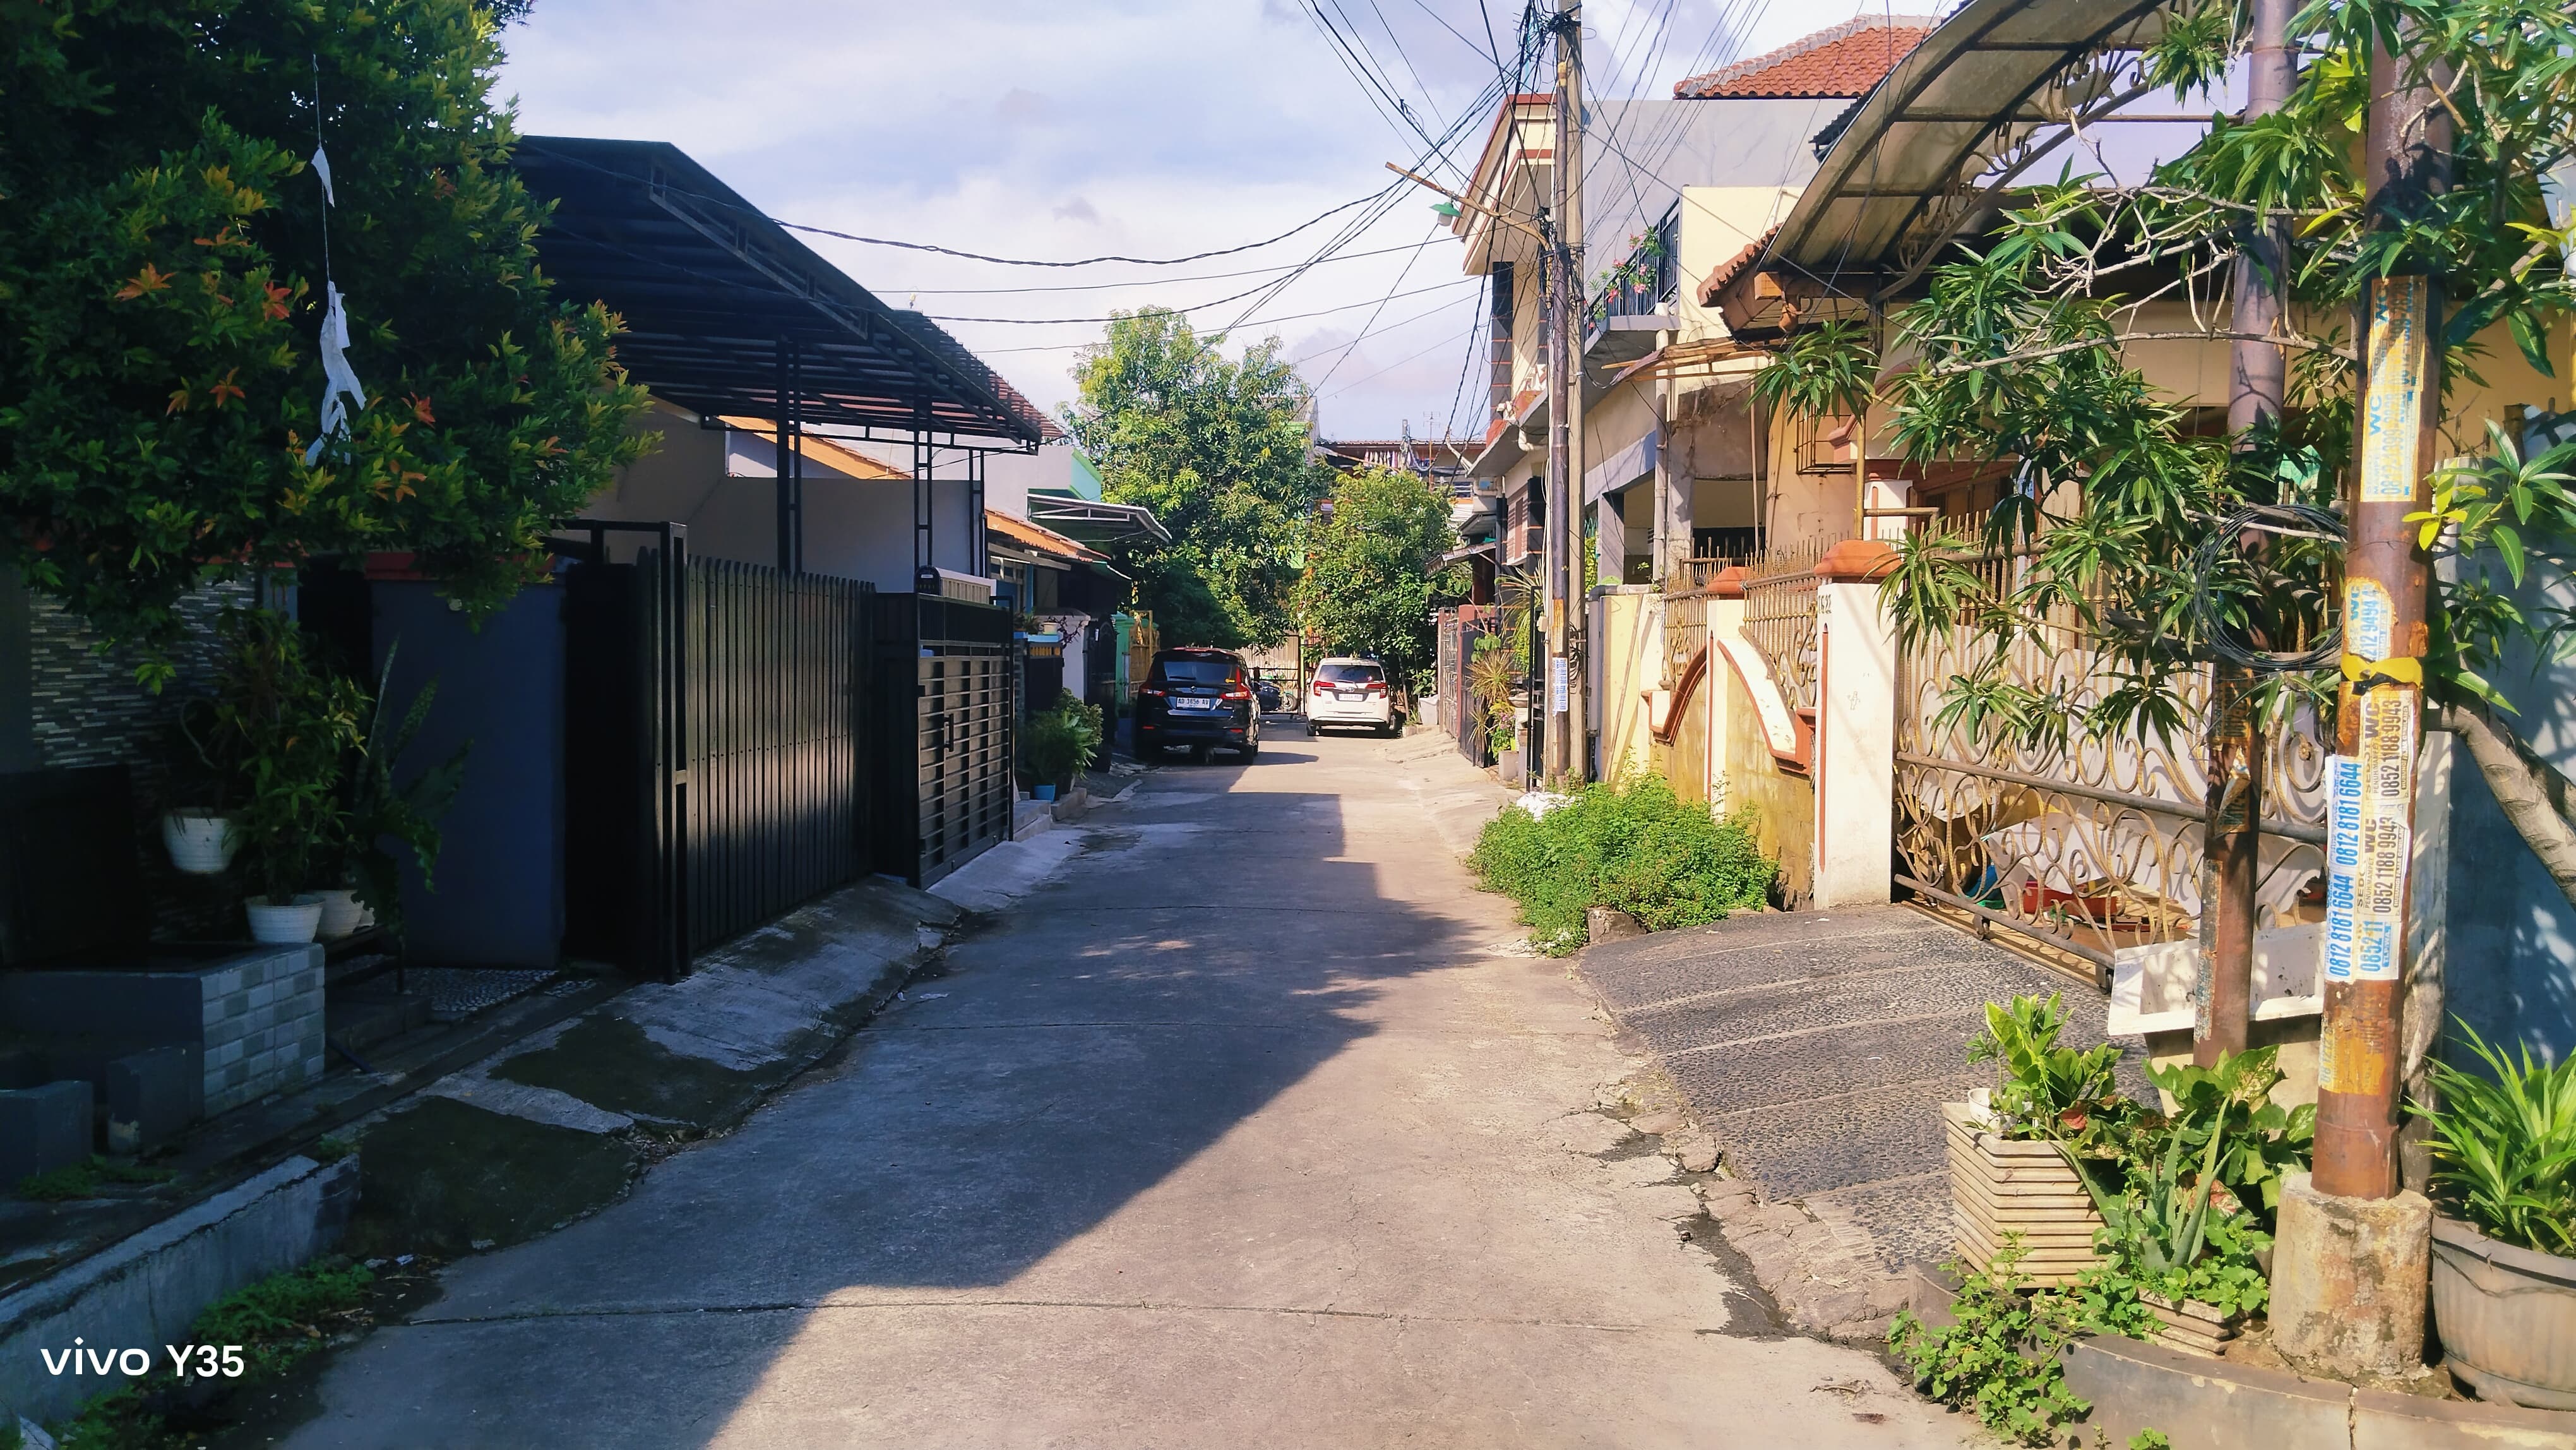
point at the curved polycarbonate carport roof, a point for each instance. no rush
(1921, 155)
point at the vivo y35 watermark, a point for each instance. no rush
(187, 1361)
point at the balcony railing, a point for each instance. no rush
(1644, 283)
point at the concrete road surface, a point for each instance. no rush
(1250, 1127)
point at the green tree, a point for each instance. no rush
(163, 290)
(1218, 449)
(1373, 572)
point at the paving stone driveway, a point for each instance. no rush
(1817, 1047)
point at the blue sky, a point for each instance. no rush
(1072, 129)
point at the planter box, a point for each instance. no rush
(2507, 1317)
(2192, 1326)
(2000, 1187)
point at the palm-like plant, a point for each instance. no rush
(377, 808)
(2504, 1151)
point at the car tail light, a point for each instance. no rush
(1323, 689)
(1238, 693)
(1377, 687)
(1149, 694)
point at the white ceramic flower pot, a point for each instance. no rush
(285, 924)
(199, 845)
(341, 913)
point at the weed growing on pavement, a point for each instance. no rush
(82, 1180)
(276, 1322)
(2001, 1360)
(1630, 844)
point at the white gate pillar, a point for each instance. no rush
(1855, 765)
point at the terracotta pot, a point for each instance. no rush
(2507, 1317)
(199, 844)
(284, 925)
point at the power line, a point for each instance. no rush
(1147, 281)
(1081, 261)
(1202, 307)
(1395, 326)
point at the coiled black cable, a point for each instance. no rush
(2288, 520)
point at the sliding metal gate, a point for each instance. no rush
(774, 665)
(716, 753)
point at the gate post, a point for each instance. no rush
(1855, 765)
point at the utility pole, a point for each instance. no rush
(2258, 379)
(1565, 745)
(2406, 155)
(2353, 1253)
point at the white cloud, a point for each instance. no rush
(1070, 128)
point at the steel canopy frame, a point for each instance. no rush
(709, 290)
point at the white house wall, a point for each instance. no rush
(854, 528)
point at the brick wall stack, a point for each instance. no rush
(263, 1018)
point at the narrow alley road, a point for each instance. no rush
(1248, 1128)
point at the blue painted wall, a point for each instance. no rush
(499, 897)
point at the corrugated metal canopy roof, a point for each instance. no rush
(1904, 165)
(708, 286)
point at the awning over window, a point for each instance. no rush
(1095, 522)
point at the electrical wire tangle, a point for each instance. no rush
(2218, 636)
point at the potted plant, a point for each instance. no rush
(380, 815)
(2188, 1197)
(276, 729)
(2013, 1146)
(2504, 1240)
(200, 839)
(1058, 743)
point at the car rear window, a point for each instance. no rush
(1347, 674)
(1192, 672)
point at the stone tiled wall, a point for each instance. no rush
(88, 709)
(263, 1018)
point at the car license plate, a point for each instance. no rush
(1186, 703)
(1348, 695)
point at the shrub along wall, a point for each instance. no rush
(1630, 844)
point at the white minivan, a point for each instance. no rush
(1348, 691)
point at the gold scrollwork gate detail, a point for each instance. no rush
(2091, 843)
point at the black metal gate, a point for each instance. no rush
(715, 771)
(774, 665)
(952, 797)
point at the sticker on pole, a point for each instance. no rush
(2369, 620)
(2392, 395)
(2369, 842)
(1556, 684)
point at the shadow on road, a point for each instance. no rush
(1211, 948)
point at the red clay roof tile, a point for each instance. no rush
(1842, 60)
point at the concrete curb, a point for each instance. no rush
(2138, 1386)
(145, 1290)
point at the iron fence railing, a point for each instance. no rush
(1646, 281)
(1780, 617)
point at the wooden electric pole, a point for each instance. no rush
(2258, 379)
(2371, 777)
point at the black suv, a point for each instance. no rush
(1201, 698)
